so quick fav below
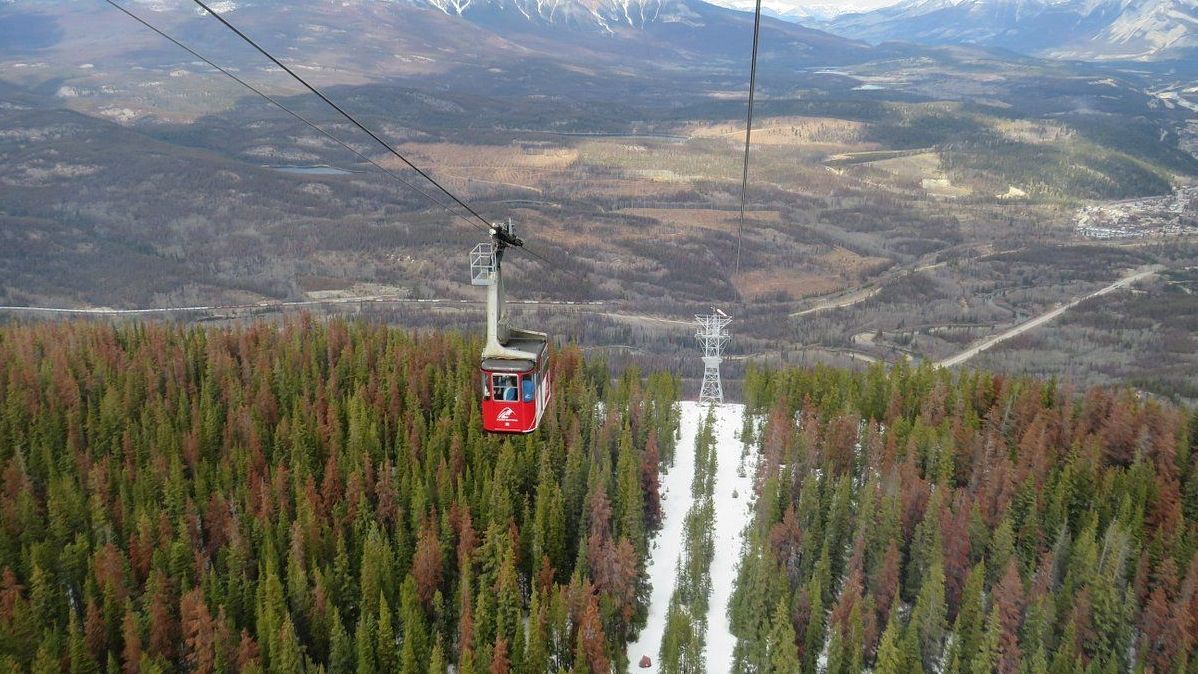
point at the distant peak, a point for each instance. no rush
(1074, 28)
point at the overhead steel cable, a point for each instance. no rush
(293, 113)
(744, 180)
(341, 110)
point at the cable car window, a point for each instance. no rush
(486, 389)
(504, 387)
(529, 387)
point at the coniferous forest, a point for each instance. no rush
(910, 520)
(318, 496)
(314, 497)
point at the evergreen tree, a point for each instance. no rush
(341, 649)
(81, 659)
(985, 660)
(967, 631)
(386, 647)
(365, 643)
(837, 657)
(813, 640)
(287, 657)
(891, 659)
(536, 657)
(928, 616)
(436, 661)
(784, 654)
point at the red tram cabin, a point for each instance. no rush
(515, 371)
(516, 392)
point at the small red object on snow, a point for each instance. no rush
(646, 663)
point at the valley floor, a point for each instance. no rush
(1124, 281)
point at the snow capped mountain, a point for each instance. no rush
(370, 34)
(692, 28)
(1155, 27)
(630, 18)
(604, 14)
(1083, 29)
(789, 11)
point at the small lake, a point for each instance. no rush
(321, 170)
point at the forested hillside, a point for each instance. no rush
(313, 497)
(917, 521)
(319, 497)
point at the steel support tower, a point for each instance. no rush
(713, 338)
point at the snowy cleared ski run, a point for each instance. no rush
(667, 546)
(731, 517)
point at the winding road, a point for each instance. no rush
(842, 300)
(1130, 278)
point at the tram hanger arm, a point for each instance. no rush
(503, 234)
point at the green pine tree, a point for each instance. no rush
(436, 660)
(986, 657)
(928, 616)
(365, 640)
(81, 660)
(341, 648)
(890, 658)
(386, 646)
(288, 657)
(784, 654)
(967, 629)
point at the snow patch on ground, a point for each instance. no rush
(732, 516)
(667, 547)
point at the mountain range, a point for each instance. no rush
(1073, 29)
(368, 40)
(682, 30)
(692, 29)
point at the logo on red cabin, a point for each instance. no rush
(508, 414)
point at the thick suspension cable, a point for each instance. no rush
(341, 110)
(277, 103)
(744, 179)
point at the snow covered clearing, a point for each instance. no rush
(675, 502)
(732, 515)
(733, 510)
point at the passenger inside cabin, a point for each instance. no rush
(504, 387)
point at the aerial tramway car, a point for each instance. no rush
(515, 373)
